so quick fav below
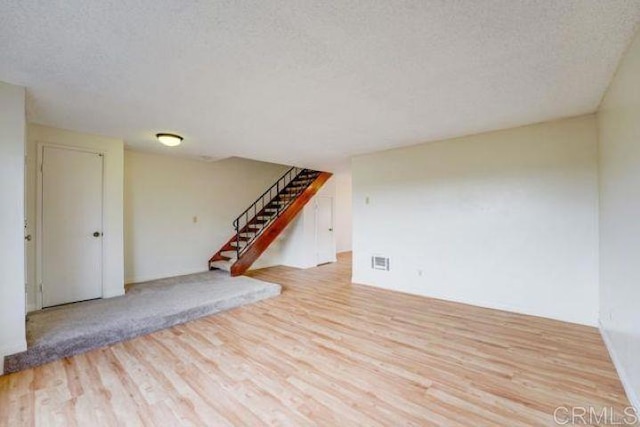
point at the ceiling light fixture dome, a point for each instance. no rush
(169, 139)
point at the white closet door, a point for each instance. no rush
(71, 226)
(325, 244)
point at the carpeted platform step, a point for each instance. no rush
(147, 307)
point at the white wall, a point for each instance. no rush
(163, 195)
(113, 246)
(12, 277)
(505, 219)
(343, 222)
(619, 137)
(296, 245)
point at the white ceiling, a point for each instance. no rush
(309, 82)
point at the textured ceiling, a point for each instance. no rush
(309, 82)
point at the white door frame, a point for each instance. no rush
(40, 157)
(333, 226)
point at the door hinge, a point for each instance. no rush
(40, 287)
(40, 167)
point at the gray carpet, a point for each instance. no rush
(67, 330)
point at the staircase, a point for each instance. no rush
(266, 218)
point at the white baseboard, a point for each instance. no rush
(502, 307)
(631, 393)
(113, 293)
(10, 349)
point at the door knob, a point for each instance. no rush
(27, 237)
(331, 229)
(97, 234)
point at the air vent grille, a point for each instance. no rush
(379, 262)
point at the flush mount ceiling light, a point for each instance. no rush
(169, 139)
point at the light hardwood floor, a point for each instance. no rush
(331, 353)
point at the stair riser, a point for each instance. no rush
(221, 265)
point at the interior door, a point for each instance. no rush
(27, 241)
(325, 244)
(71, 226)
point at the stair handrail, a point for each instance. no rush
(262, 202)
(268, 191)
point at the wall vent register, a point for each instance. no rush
(380, 263)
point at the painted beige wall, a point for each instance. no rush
(504, 219)
(163, 195)
(619, 138)
(113, 249)
(12, 277)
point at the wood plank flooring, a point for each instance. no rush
(327, 352)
